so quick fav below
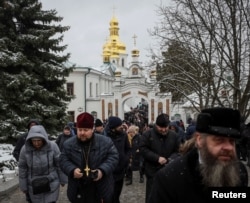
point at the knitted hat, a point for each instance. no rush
(114, 122)
(85, 120)
(162, 120)
(219, 121)
(98, 123)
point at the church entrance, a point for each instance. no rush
(136, 112)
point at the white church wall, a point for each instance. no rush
(95, 106)
(77, 79)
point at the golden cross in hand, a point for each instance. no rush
(87, 169)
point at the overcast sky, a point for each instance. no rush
(89, 22)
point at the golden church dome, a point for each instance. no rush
(135, 53)
(113, 22)
(113, 46)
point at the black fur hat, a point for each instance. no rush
(219, 121)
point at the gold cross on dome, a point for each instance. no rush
(87, 169)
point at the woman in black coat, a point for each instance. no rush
(135, 155)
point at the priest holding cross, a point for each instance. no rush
(89, 160)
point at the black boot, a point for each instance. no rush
(129, 182)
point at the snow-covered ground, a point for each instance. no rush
(8, 164)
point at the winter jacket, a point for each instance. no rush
(190, 130)
(102, 155)
(153, 145)
(179, 131)
(36, 163)
(180, 182)
(61, 139)
(135, 153)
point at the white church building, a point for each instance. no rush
(118, 85)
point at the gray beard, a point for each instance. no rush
(218, 174)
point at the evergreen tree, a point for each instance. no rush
(32, 74)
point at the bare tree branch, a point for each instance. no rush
(204, 51)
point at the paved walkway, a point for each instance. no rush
(134, 193)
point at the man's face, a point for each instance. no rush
(219, 161)
(119, 130)
(162, 130)
(66, 132)
(37, 142)
(84, 134)
(173, 128)
(99, 129)
(221, 149)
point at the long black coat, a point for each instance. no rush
(153, 145)
(61, 139)
(122, 145)
(103, 155)
(180, 182)
(135, 153)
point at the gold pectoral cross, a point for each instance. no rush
(87, 169)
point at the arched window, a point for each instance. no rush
(135, 71)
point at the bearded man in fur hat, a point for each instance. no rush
(210, 162)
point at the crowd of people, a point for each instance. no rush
(96, 158)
